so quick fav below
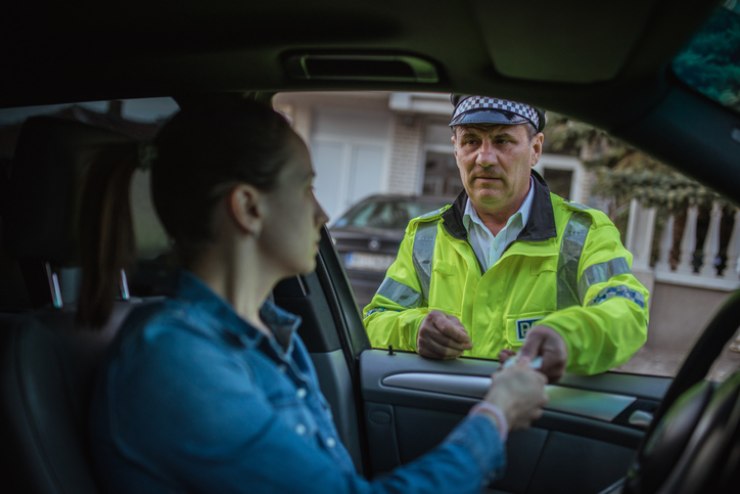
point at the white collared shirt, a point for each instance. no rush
(487, 247)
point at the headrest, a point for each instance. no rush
(40, 209)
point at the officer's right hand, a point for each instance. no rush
(547, 343)
(442, 336)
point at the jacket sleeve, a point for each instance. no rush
(397, 309)
(163, 433)
(609, 324)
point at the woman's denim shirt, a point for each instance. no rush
(195, 399)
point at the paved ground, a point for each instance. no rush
(655, 362)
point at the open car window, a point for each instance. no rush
(684, 237)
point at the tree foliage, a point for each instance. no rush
(710, 63)
(622, 172)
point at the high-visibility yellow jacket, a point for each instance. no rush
(567, 270)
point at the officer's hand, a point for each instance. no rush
(519, 392)
(548, 344)
(505, 354)
(442, 336)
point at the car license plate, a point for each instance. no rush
(368, 262)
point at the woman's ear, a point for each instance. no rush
(245, 208)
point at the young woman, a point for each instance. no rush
(212, 390)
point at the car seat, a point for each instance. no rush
(48, 362)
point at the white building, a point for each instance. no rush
(376, 142)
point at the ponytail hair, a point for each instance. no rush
(202, 150)
(107, 243)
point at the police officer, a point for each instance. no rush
(509, 266)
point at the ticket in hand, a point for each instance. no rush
(535, 363)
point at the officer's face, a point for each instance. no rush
(495, 164)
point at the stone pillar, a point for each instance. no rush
(406, 171)
(639, 241)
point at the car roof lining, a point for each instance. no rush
(539, 53)
(230, 49)
(222, 45)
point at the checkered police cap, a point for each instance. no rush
(470, 110)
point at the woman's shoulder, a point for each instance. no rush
(163, 325)
(175, 346)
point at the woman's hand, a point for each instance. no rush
(519, 391)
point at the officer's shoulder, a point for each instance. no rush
(598, 217)
(431, 216)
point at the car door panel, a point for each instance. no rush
(583, 443)
(405, 404)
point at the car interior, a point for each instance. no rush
(608, 64)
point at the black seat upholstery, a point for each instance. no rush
(47, 362)
(46, 374)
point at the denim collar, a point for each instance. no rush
(230, 326)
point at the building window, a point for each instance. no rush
(559, 181)
(441, 176)
(565, 176)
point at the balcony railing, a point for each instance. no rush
(697, 247)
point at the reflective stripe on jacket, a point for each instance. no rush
(567, 270)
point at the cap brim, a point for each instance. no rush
(488, 117)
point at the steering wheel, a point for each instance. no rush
(693, 443)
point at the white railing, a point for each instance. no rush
(679, 261)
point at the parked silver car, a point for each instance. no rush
(368, 234)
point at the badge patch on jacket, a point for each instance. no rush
(523, 326)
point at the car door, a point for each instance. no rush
(390, 407)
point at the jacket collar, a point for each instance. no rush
(540, 226)
(226, 322)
